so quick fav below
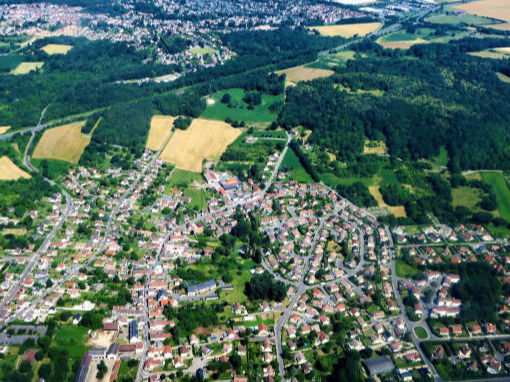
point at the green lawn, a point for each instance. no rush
(239, 109)
(182, 178)
(499, 187)
(71, 338)
(405, 270)
(421, 332)
(197, 198)
(293, 165)
(127, 372)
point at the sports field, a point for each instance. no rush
(27, 67)
(237, 109)
(347, 30)
(303, 73)
(9, 171)
(56, 49)
(161, 126)
(204, 139)
(4, 129)
(65, 143)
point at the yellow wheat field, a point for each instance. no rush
(56, 49)
(347, 30)
(204, 139)
(401, 44)
(4, 129)
(302, 73)
(495, 9)
(398, 211)
(27, 67)
(9, 171)
(161, 126)
(65, 143)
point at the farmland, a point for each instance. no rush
(495, 9)
(503, 77)
(8, 63)
(27, 67)
(204, 139)
(236, 109)
(56, 49)
(303, 73)
(161, 126)
(458, 19)
(347, 30)
(65, 143)
(9, 171)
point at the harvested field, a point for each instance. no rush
(401, 44)
(495, 9)
(204, 139)
(4, 129)
(503, 77)
(9, 171)
(500, 27)
(65, 143)
(397, 211)
(302, 73)
(56, 49)
(375, 147)
(347, 30)
(161, 126)
(27, 67)
(495, 53)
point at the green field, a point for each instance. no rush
(333, 180)
(201, 51)
(8, 63)
(182, 178)
(467, 197)
(197, 198)
(405, 270)
(399, 36)
(71, 338)
(499, 187)
(441, 160)
(459, 19)
(126, 372)
(332, 60)
(421, 332)
(293, 165)
(239, 109)
(388, 176)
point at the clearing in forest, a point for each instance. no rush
(398, 211)
(302, 73)
(27, 67)
(161, 126)
(204, 139)
(4, 129)
(65, 143)
(56, 49)
(9, 171)
(375, 147)
(347, 30)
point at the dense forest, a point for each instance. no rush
(434, 95)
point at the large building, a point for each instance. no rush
(379, 365)
(208, 286)
(133, 331)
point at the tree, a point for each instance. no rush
(44, 371)
(101, 370)
(25, 366)
(226, 98)
(264, 286)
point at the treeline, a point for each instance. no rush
(304, 160)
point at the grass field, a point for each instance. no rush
(204, 139)
(375, 147)
(332, 60)
(27, 67)
(127, 373)
(405, 270)
(9, 63)
(293, 165)
(65, 143)
(199, 51)
(467, 197)
(503, 78)
(497, 53)
(71, 338)
(500, 188)
(495, 9)
(347, 30)
(4, 129)
(182, 178)
(303, 73)
(459, 19)
(56, 49)
(197, 198)
(421, 332)
(239, 110)
(442, 159)
(9, 171)
(161, 126)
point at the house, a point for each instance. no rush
(263, 330)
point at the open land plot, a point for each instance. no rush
(237, 109)
(9, 171)
(161, 126)
(199, 51)
(401, 44)
(347, 30)
(398, 211)
(56, 49)
(333, 60)
(498, 185)
(495, 9)
(375, 147)
(292, 164)
(27, 67)
(355, 2)
(467, 197)
(183, 178)
(303, 73)
(65, 143)
(503, 77)
(204, 139)
(495, 53)
(4, 129)
(458, 19)
(10, 62)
